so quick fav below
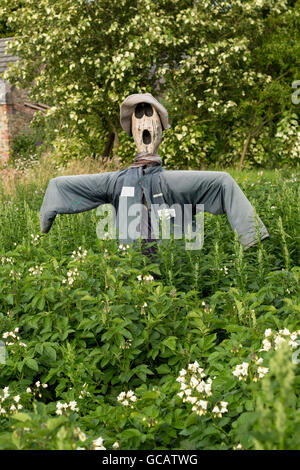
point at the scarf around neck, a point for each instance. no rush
(144, 158)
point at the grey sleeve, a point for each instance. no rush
(73, 194)
(220, 194)
(194, 187)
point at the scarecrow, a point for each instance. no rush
(146, 184)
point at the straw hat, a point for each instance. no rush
(128, 106)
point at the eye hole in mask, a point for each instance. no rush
(143, 108)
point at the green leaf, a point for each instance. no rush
(170, 342)
(31, 363)
(249, 405)
(142, 371)
(128, 433)
(9, 299)
(54, 422)
(50, 352)
(150, 395)
(21, 417)
(88, 297)
(16, 439)
(41, 303)
(163, 369)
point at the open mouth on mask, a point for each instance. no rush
(146, 137)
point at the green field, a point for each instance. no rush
(80, 328)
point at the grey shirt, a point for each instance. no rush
(216, 190)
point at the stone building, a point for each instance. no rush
(16, 111)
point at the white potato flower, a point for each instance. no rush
(268, 332)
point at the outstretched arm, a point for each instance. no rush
(73, 194)
(220, 194)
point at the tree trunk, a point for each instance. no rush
(108, 146)
(245, 148)
(116, 142)
(252, 134)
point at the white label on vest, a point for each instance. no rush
(167, 213)
(127, 191)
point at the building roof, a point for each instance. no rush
(5, 59)
(5, 88)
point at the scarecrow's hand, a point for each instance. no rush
(73, 194)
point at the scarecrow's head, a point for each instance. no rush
(144, 118)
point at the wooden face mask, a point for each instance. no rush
(146, 128)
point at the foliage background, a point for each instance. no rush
(224, 69)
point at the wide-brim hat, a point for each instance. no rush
(128, 106)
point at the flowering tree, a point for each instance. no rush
(238, 62)
(84, 57)
(224, 67)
